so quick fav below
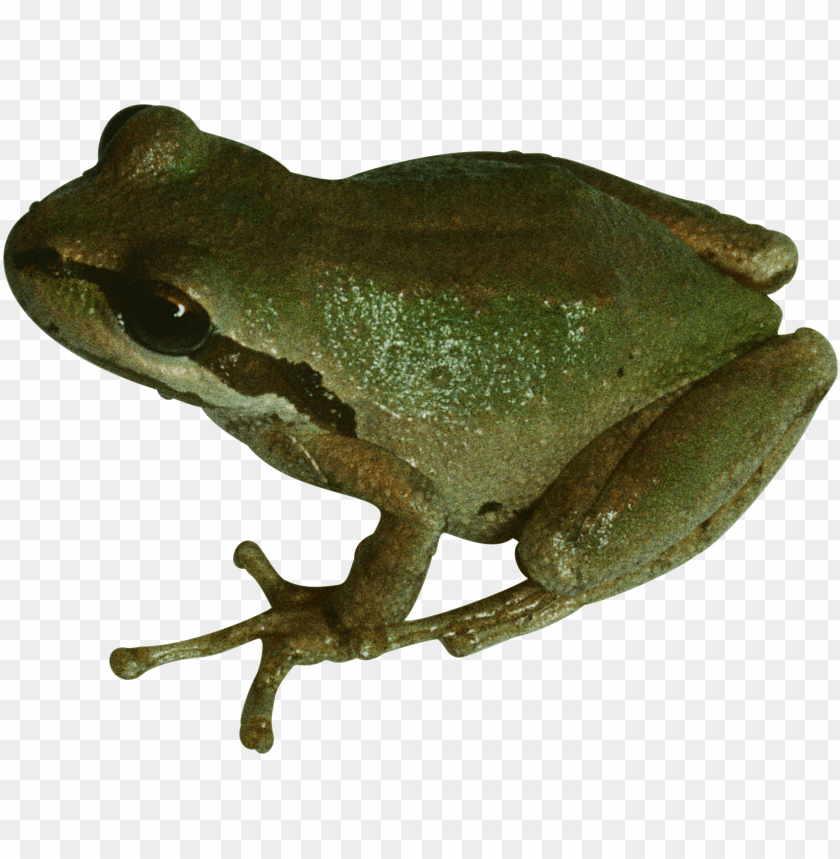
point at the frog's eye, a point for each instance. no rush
(115, 123)
(161, 317)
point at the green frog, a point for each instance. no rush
(495, 345)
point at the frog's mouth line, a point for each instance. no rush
(244, 370)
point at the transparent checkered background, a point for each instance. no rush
(694, 716)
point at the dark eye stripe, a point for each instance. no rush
(253, 373)
(244, 370)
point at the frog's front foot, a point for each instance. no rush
(300, 628)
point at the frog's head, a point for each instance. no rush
(151, 264)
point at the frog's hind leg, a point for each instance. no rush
(758, 258)
(622, 513)
(645, 496)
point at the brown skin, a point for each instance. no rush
(493, 345)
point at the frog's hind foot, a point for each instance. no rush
(298, 629)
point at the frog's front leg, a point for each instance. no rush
(390, 565)
(306, 625)
(642, 500)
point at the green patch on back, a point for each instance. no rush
(440, 354)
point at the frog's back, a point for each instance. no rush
(486, 315)
(463, 191)
(508, 275)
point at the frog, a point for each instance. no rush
(492, 345)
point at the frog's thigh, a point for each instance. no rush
(684, 480)
(758, 258)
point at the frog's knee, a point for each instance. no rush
(813, 350)
(794, 372)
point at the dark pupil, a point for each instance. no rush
(163, 318)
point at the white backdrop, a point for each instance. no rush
(692, 716)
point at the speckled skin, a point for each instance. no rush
(495, 345)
